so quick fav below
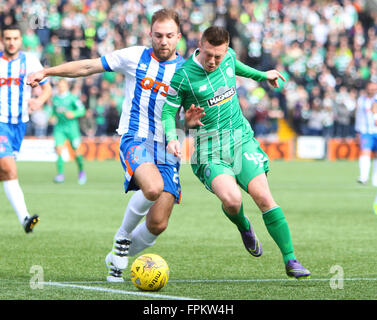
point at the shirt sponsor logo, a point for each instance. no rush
(9, 81)
(154, 85)
(61, 110)
(221, 96)
(203, 88)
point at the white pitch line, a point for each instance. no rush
(133, 293)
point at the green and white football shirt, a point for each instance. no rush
(225, 127)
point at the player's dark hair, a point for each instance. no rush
(166, 14)
(215, 36)
(13, 26)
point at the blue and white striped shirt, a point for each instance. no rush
(364, 118)
(14, 92)
(146, 83)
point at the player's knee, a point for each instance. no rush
(157, 227)
(8, 176)
(8, 173)
(59, 150)
(232, 204)
(153, 192)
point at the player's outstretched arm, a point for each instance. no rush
(73, 69)
(272, 76)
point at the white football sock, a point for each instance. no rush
(137, 208)
(141, 238)
(364, 165)
(16, 198)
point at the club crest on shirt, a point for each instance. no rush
(222, 95)
(229, 72)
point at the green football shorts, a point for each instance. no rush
(71, 133)
(247, 163)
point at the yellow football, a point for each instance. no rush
(149, 272)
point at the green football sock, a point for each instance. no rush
(80, 162)
(239, 219)
(60, 165)
(278, 228)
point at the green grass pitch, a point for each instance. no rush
(330, 217)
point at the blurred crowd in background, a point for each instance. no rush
(326, 50)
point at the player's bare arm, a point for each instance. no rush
(73, 69)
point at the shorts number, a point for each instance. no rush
(257, 157)
(175, 176)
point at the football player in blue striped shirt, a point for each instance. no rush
(15, 105)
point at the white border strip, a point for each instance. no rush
(268, 280)
(229, 280)
(201, 280)
(133, 293)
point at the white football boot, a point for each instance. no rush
(117, 260)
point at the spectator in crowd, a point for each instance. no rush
(275, 113)
(88, 124)
(100, 116)
(261, 119)
(328, 119)
(112, 118)
(345, 105)
(315, 120)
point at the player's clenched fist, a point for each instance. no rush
(34, 78)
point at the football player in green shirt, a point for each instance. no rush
(67, 108)
(226, 153)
